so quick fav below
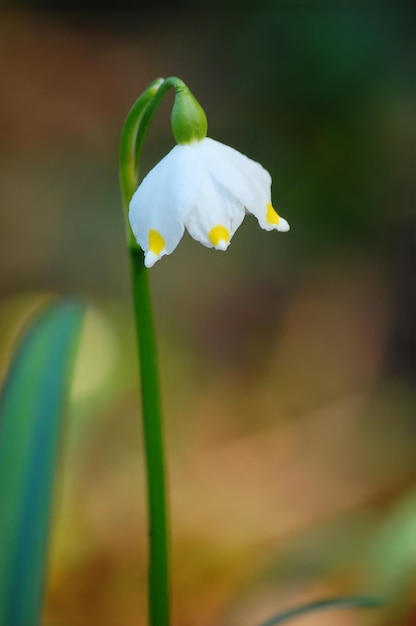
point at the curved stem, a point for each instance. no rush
(133, 134)
(128, 168)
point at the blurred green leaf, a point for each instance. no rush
(392, 560)
(319, 605)
(32, 406)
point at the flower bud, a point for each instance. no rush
(189, 122)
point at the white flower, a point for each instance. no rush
(205, 187)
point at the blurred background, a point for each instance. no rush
(288, 364)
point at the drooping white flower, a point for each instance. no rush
(205, 187)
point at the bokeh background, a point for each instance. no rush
(287, 364)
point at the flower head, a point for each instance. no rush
(205, 187)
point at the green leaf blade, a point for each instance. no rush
(32, 405)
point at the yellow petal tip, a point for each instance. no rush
(219, 237)
(271, 216)
(274, 219)
(156, 242)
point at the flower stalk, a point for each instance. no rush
(133, 134)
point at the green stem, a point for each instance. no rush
(153, 445)
(132, 138)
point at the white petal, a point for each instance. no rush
(162, 201)
(246, 180)
(216, 215)
(283, 226)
